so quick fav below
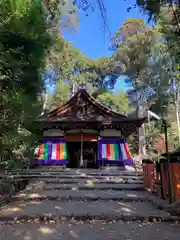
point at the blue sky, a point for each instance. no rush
(90, 37)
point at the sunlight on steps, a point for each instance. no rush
(46, 230)
(11, 209)
(90, 182)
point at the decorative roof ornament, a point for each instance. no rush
(82, 86)
(76, 87)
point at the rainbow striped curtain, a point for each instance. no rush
(125, 151)
(42, 151)
(116, 150)
(110, 151)
(59, 151)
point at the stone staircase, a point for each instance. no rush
(56, 197)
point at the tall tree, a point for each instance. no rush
(116, 102)
(132, 46)
(156, 9)
(73, 67)
(24, 38)
(168, 28)
(60, 97)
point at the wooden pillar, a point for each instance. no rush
(97, 155)
(81, 154)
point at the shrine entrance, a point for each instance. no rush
(89, 154)
(73, 152)
(83, 133)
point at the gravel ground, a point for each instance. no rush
(91, 231)
(115, 209)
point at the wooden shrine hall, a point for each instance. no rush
(84, 133)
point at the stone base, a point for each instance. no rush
(50, 162)
(102, 163)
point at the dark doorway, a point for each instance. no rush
(89, 154)
(74, 151)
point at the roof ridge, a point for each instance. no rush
(60, 107)
(89, 97)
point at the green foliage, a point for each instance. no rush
(116, 102)
(171, 30)
(169, 15)
(132, 46)
(61, 96)
(62, 12)
(73, 67)
(24, 38)
(145, 56)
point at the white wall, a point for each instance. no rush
(89, 131)
(60, 133)
(53, 133)
(110, 133)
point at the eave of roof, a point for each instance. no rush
(107, 120)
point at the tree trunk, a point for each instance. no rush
(142, 132)
(177, 113)
(140, 114)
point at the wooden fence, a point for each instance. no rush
(152, 178)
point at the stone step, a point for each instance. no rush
(94, 170)
(60, 168)
(76, 177)
(69, 173)
(86, 186)
(77, 195)
(88, 181)
(94, 230)
(80, 210)
(85, 170)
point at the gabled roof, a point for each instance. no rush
(83, 110)
(82, 106)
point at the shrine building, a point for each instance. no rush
(84, 133)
